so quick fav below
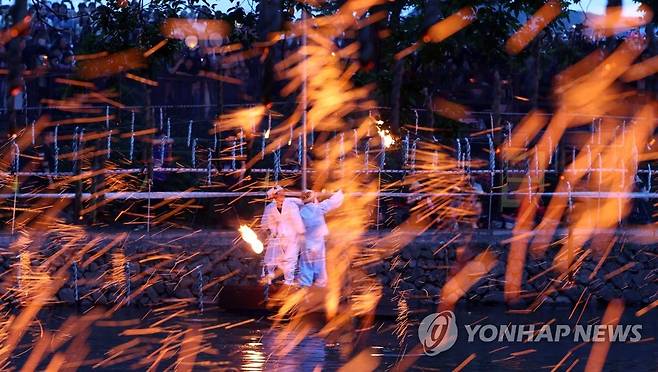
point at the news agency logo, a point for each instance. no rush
(438, 332)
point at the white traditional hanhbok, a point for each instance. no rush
(313, 265)
(286, 231)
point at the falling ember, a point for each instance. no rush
(614, 22)
(447, 27)
(641, 70)
(386, 137)
(141, 79)
(155, 48)
(459, 284)
(83, 84)
(599, 351)
(241, 119)
(112, 64)
(449, 109)
(250, 237)
(545, 15)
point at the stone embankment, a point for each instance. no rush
(106, 268)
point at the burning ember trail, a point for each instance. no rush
(121, 248)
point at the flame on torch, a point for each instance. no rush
(250, 237)
(386, 137)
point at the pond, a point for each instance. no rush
(139, 339)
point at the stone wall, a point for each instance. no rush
(195, 266)
(629, 272)
(173, 265)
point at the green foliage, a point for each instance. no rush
(116, 27)
(445, 68)
(477, 50)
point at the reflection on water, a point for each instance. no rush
(309, 354)
(253, 344)
(253, 357)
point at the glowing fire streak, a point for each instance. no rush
(112, 64)
(449, 26)
(614, 21)
(545, 15)
(599, 352)
(250, 237)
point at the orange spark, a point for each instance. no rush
(618, 271)
(83, 84)
(84, 57)
(451, 110)
(244, 118)
(406, 51)
(529, 127)
(103, 98)
(218, 77)
(459, 284)
(141, 79)
(223, 49)
(545, 15)
(189, 350)
(599, 352)
(155, 48)
(620, 152)
(111, 64)
(646, 309)
(518, 247)
(449, 26)
(138, 133)
(465, 362)
(641, 70)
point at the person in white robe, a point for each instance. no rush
(283, 223)
(313, 265)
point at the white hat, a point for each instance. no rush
(273, 191)
(308, 196)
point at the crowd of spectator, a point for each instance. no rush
(57, 30)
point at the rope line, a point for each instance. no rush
(295, 171)
(127, 195)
